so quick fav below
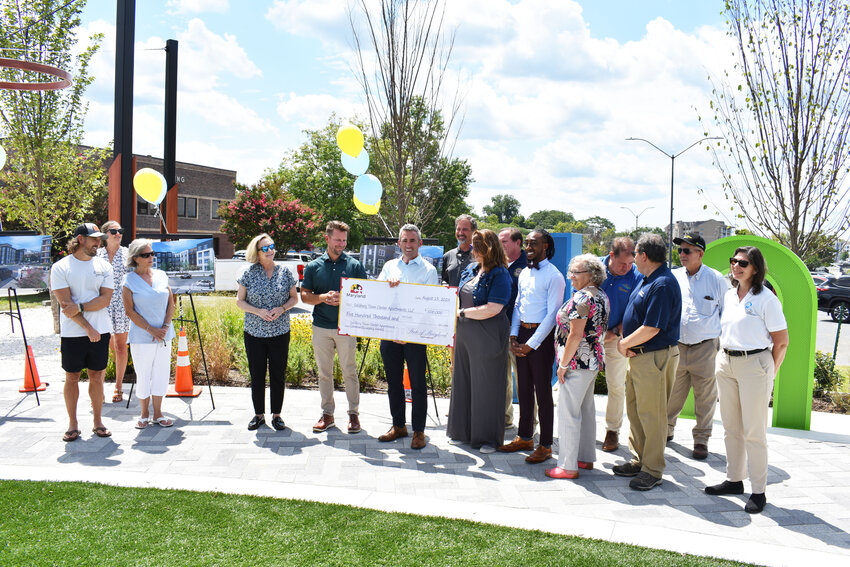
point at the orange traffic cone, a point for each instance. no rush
(31, 381)
(407, 395)
(183, 387)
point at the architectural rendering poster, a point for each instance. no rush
(189, 263)
(373, 256)
(24, 261)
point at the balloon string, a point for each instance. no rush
(385, 224)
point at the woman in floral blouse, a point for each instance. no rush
(115, 254)
(581, 325)
(266, 294)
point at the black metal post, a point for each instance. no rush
(125, 34)
(169, 154)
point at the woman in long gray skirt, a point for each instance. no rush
(477, 409)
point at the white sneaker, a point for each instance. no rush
(487, 449)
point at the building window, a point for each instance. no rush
(187, 207)
(214, 205)
(142, 208)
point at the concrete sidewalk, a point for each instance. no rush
(806, 520)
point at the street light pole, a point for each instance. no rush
(672, 171)
(637, 216)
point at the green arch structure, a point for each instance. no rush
(792, 391)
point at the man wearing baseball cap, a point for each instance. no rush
(83, 285)
(703, 289)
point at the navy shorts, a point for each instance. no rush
(80, 352)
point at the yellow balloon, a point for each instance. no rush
(148, 184)
(367, 209)
(350, 139)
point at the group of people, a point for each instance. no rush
(657, 333)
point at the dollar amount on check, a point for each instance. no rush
(413, 313)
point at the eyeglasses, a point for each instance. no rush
(266, 248)
(116, 231)
(572, 273)
(685, 251)
(742, 263)
(144, 255)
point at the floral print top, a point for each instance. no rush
(266, 293)
(120, 321)
(595, 308)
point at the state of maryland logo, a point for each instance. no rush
(356, 288)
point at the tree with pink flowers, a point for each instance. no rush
(264, 208)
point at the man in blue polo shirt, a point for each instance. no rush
(622, 277)
(321, 289)
(650, 338)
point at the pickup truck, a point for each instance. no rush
(226, 271)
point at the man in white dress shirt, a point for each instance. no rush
(410, 268)
(703, 289)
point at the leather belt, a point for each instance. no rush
(525, 325)
(696, 344)
(743, 352)
(643, 349)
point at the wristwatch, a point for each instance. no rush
(81, 308)
(462, 313)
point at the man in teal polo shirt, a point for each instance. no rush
(320, 288)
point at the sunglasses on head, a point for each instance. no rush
(742, 263)
(144, 255)
(266, 248)
(116, 231)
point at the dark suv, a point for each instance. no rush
(834, 298)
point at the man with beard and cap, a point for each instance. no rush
(540, 295)
(457, 259)
(83, 286)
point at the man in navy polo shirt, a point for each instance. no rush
(321, 289)
(650, 338)
(622, 277)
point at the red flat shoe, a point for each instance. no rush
(586, 465)
(558, 472)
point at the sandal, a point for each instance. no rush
(101, 431)
(71, 435)
(163, 421)
(117, 396)
(143, 422)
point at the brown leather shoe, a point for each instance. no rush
(612, 441)
(324, 423)
(700, 451)
(539, 455)
(518, 444)
(353, 423)
(393, 434)
(418, 441)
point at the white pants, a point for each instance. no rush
(616, 366)
(576, 419)
(745, 384)
(153, 368)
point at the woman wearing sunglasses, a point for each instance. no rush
(266, 294)
(115, 254)
(753, 341)
(149, 304)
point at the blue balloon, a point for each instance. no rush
(368, 189)
(356, 165)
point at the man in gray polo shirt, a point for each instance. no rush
(320, 288)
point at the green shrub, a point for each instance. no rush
(827, 376)
(600, 388)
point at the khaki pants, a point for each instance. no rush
(695, 370)
(325, 341)
(615, 378)
(648, 384)
(745, 384)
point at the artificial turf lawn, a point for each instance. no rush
(68, 523)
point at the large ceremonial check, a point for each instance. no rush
(414, 313)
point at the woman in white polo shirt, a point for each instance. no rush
(753, 341)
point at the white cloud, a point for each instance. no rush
(197, 6)
(205, 54)
(324, 19)
(312, 111)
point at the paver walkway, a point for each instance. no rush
(806, 521)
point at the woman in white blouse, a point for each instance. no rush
(149, 304)
(753, 341)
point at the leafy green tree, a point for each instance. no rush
(785, 159)
(267, 208)
(505, 207)
(548, 219)
(49, 183)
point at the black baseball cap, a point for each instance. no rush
(89, 229)
(697, 241)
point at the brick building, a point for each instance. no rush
(710, 230)
(201, 190)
